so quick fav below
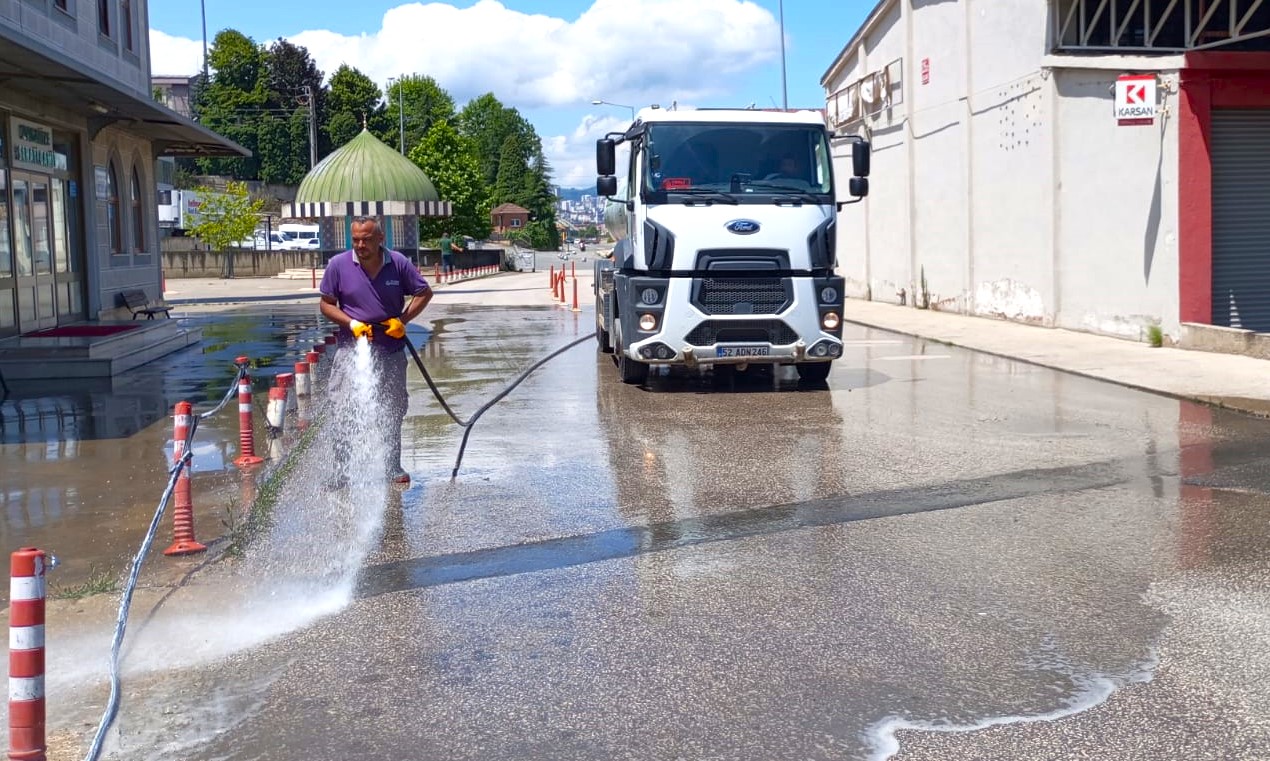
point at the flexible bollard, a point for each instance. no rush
(314, 358)
(553, 278)
(573, 268)
(183, 542)
(575, 297)
(246, 435)
(276, 417)
(303, 380)
(26, 655)
(303, 389)
(287, 381)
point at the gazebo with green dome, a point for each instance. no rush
(365, 177)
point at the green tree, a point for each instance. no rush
(512, 181)
(291, 78)
(353, 100)
(418, 102)
(488, 123)
(224, 218)
(233, 101)
(449, 160)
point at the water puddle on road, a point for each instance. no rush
(1084, 690)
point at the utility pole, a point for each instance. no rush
(308, 96)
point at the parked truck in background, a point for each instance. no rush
(726, 241)
(178, 210)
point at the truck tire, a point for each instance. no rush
(604, 340)
(631, 372)
(813, 372)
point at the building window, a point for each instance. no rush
(62, 5)
(103, 17)
(113, 222)
(125, 24)
(515, 221)
(138, 214)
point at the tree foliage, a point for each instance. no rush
(485, 154)
(450, 161)
(224, 218)
(352, 101)
(488, 123)
(417, 102)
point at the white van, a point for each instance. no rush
(301, 233)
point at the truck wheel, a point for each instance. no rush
(630, 371)
(813, 372)
(602, 337)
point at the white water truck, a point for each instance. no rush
(726, 241)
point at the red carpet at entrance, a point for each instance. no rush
(79, 331)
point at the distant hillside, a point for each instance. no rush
(575, 194)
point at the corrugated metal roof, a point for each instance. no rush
(365, 169)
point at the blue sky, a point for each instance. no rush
(548, 58)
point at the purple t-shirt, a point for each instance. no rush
(372, 301)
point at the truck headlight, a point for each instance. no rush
(830, 320)
(828, 295)
(647, 322)
(649, 296)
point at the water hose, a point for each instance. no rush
(467, 424)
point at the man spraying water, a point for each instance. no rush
(365, 286)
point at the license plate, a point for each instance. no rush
(743, 351)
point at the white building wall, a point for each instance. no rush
(874, 242)
(1011, 140)
(937, 134)
(1025, 200)
(1118, 199)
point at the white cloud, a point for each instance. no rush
(639, 50)
(626, 51)
(174, 56)
(572, 156)
(633, 51)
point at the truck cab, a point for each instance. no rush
(726, 242)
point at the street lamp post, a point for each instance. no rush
(619, 105)
(401, 113)
(203, 8)
(784, 87)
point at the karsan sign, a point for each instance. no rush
(1135, 99)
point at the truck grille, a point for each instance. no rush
(741, 295)
(774, 332)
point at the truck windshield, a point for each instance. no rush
(763, 160)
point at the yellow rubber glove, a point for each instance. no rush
(360, 330)
(396, 328)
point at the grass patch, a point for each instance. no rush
(99, 582)
(1155, 336)
(260, 514)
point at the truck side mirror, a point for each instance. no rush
(858, 186)
(605, 156)
(606, 186)
(860, 161)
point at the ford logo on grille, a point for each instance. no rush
(742, 226)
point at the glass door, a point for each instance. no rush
(33, 250)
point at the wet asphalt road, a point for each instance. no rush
(741, 568)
